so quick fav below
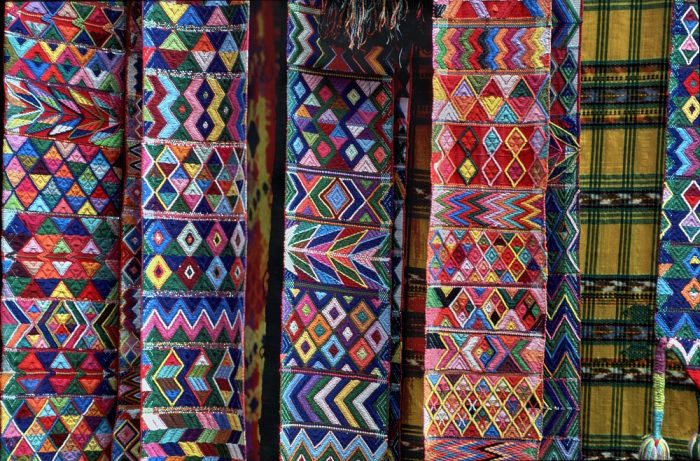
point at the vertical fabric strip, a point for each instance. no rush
(64, 87)
(127, 433)
(678, 287)
(337, 296)
(194, 228)
(562, 365)
(624, 69)
(487, 260)
(417, 215)
(402, 92)
(266, 113)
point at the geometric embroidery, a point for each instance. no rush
(562, 368)
(678, 291)
(193, 200)
(62, 188)
(337, 298)
(126, 441)
(487, 259)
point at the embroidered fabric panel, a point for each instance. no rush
(64, 86)
(126, 441)
(487, 259)
(678, 287)
(194, 228)
(337, 298)
(562, 365)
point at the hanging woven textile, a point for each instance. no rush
(62, 144)
(562, 364)
(486, 272)
(194, 228)
(678, 287)
(346, 118)
(127, 436)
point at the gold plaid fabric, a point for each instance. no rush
(624, 76)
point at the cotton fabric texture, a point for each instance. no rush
(350, 230)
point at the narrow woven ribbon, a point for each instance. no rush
(194, 228)
(678, 286)
(346, 124)
(127, 427)
(562, 364)
(64, 128)
(487, 260)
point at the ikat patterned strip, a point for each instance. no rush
(337, 340)
(62, 191)
(487, 261)
(562, 364)
(194, 228)
(678, 288)
(127, 428)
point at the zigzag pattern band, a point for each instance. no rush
(562, 364)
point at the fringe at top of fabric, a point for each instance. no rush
(356, 21)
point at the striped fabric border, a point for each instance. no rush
(486, 302)
(194, 220)
(678, 286)
(417, 216)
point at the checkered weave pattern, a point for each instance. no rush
(624, 82)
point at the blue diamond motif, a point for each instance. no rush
(337, 197)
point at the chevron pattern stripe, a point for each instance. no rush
(487, 259)
(64, 126)
(678, 290)
(562, 364)
(193, 201)
(306, 49)
(341, 308)
(487, 208)
(126, 443)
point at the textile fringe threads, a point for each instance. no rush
(487, 259)
(358, 20)
(340, 229)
